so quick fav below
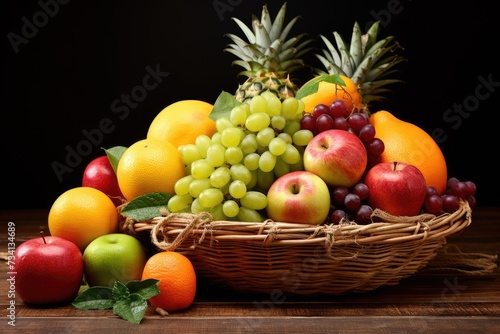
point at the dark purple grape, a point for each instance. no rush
(357, 121)
(337, 216)
(308, 122)
(324, 122)
(433, 204)
(471, 186)
(352, 202)
(460, 189)
(338, 195)
(367, 133)
(338, 108)
(361, 190)
(431, 190)
(375, 146)
(472, 201)
(450, 203)
(451, 182)
(340, 123)
(364, 214)
(321, 109)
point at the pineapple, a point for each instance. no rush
(367, 61)
(267, 56)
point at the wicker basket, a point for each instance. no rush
(304, 259)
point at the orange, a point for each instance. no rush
(149, 165)
(82, 214)
(181, 122)
(177, 280)
(329, 92)
(406, 142)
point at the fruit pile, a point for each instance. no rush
(314, 154)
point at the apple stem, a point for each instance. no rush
(43, 237)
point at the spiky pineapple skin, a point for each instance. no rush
(262, 82)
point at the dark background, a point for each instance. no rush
(65, 77)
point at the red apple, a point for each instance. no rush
(100, 174)
(298, 197)
(397, 188)
(339, 157)
(48, 270)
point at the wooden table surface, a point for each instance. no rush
(428, 302)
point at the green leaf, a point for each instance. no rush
(114, 154)
(95, 298)
(131, 308)
(146, 206)
(312, 86)
(120, 290)
(223, 105)
(147, 288)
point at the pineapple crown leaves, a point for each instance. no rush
(267, 48)
(369, 62)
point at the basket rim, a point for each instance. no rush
(169, 231)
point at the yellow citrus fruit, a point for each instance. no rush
(406, 142)
(177, 280)
(82, 214)
(147, 166)
(329, 92)
(181, 122)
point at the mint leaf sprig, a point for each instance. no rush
(129, 301)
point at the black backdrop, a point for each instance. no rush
(67, 65)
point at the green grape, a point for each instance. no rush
(277, 146)
(197, 186)
(265, 179)
(222, 123)
(289, 108)
(201, 169)
(278, 122)
(202, 142)
(249, 143)
(196, 207)
(267, 161)
(258, 104)
(257, 121)
(233, 155)
(240, 172)
(251, 161)
(178, 203)
(286, 137)
(254, 180)
(237, 189)
(249, 215)
(302, 137)
(189, 153)
(216, 155)
(230, 208)
(264, 136)
(273, 105)
(210, 197)
(217, 212)
(216, 138)
(238, 115)
(291, 155)
(300, 110)
(292, 126)
(231, 137)
(181, 187)
(254, 200)
(220, 177)
(281, 168)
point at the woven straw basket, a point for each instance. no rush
(301, 259)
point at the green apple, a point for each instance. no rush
(113, 257)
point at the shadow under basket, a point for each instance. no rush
(303, 259)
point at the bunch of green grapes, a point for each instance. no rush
(229, 173)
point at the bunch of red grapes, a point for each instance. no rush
(448, 202)
(337, 116)
(352, 203)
